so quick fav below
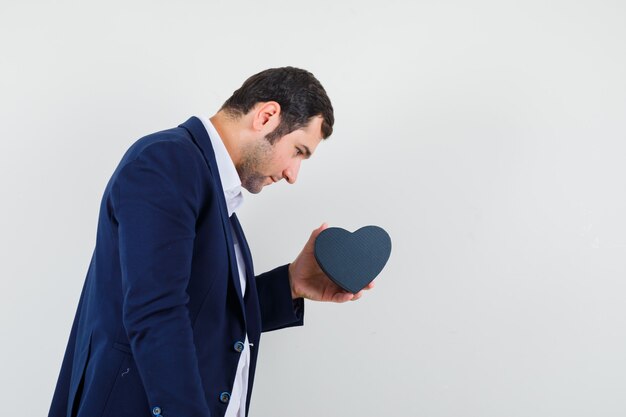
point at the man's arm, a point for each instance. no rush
(282, 291)
(278, 309)
(155, 202)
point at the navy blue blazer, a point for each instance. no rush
(161, 319)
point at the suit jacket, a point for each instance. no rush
(161, 318)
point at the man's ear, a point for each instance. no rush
(266, 117)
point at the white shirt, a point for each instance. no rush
(234, 199)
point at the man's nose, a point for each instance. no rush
(291, 172)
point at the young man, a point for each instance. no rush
(170, 316)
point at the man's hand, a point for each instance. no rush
(309, 281)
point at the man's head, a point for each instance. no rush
(299, 94)
(272, 122)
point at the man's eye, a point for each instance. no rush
(299, 152)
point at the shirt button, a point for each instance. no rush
(238, 346)
(156, 411)
(225, 397)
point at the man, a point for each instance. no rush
(170, 316)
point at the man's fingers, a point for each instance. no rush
(342, 297)
(362, 292)
(358, 295)
(319, 230)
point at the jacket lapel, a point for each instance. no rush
(201, 138)
(253, 311)
(244, 245)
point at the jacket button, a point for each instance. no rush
(156, 411)
(225, 397)
(238, 347)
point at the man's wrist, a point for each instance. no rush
(291, 272)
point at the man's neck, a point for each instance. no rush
(228, 128)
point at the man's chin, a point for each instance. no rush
(253, 188)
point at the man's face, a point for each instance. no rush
(264, 164)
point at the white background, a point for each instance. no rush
(487, 137)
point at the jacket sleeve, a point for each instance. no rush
(278, 310)
(155, 200)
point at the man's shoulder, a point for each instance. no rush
(167, 141)
(171, 152)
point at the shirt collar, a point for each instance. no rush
(225, 166)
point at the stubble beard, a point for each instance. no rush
(254, 159)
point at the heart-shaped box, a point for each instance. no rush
(352, 260)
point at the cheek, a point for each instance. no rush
(280, 160)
